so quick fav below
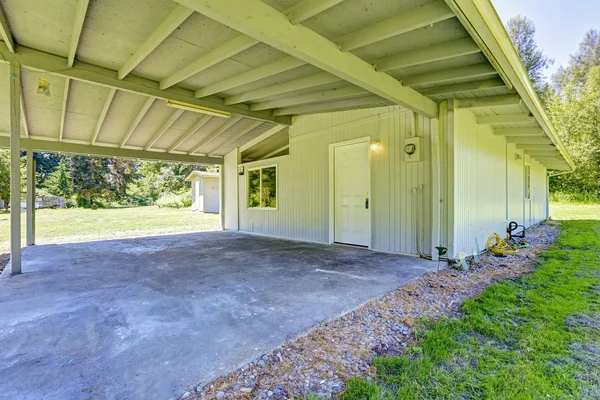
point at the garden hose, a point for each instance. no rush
(498, 246)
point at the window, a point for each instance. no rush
(527, 181)
(262, 187)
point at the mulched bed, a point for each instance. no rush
(320, 360)
(4, 258)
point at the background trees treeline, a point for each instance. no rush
(87, 181)
(572, 99)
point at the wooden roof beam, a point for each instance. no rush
(463, 87)
(136, 121)
(209, 59)
(5, 31)
(170, 121)
(84, 72)
(82, 7)
(213, 135)
(533, 131)
(470, 72)
(322, 107)
(505, 119)
(528, 140)
(232, 139)
(488, 102)
(262, 22)
(438, 52)
(166, 27)
(103, 113)
(262, 137)
(535, 147)
(276, 67)
(199, 124)
(397, 25)
(319, 97)
(306, 9)
(63, 115)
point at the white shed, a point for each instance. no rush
(205, 191)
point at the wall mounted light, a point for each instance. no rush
(241, 170)
(374, 145)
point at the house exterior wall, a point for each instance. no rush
(489, 185)
(400, 191)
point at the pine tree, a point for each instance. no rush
(89, 177)
(522, 34)
(580, 64)
(60, 182)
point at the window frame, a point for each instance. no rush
(247, 197)
(527, 174)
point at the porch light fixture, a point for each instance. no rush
(374, 145)
(199, 109)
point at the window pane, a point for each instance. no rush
(269, 187)
(254, 188)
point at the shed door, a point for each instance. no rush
(351, 194)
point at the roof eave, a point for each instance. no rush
(483, 23)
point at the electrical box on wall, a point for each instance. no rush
(412, 149)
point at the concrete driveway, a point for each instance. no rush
(149, 318)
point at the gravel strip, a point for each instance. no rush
(320, 360)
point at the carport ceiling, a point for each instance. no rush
(112, 64)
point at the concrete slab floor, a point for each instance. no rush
(149, 318)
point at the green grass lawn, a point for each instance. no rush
(79, 224)
(533, 338)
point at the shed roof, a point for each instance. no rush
(201, 174)
(112, 64)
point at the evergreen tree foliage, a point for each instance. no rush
(580, 64)
(522, 34)
(5, 177)
(90, 177)
(60, 182)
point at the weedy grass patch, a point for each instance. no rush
(534, 337)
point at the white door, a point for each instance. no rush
(351, 194)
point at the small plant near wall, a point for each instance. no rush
(442, 251)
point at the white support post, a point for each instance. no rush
(30, 198)
(15, 170)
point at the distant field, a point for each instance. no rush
(563, 211)
(79, 224)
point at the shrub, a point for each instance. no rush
(173, 200)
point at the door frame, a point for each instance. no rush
(332, 147)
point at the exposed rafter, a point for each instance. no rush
(332, 105)
(489, 101)
(535, 147)
(209, 59)
(40, 61)
(170, 121)
(463, 87)
(232, 139)
(63, 115)
(166, 27)
(396, 25)
(5, 31)
(136, 121)
(102, 117)
(306, 9)
(262, 137)
(318, 79)
(264, 23)
(213, 135)
(24, 115)
(82, 7)
(319, 97)
(107, 151)
(520, 132)
(536, 153)
(199, 124)
(275, 152)
(438, 52)
(452, 74)
(505, 119)
(528, 140)
(276, 67)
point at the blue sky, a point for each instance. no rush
(560, 24)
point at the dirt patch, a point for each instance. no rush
(4, 258)
(583, 321)
(320, 360)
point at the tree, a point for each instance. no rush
(522, 34)
(576, 116)
(60, 182)
(89, 177)
(580, 63)
(5, 177)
